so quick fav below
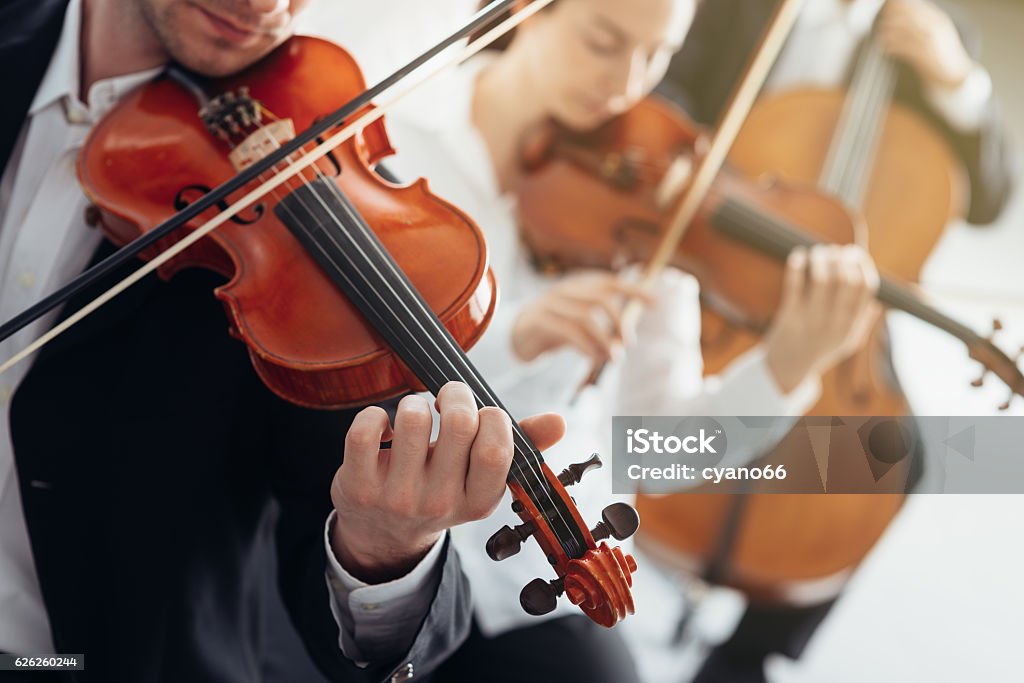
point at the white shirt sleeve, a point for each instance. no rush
(663, 372)
(964, 108)
(378, 623)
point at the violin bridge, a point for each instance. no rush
(262, 142)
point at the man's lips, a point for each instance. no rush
(228, 28)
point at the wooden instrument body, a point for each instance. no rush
(307, 341)
(916, 185)
(787, 548)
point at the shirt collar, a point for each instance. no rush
(62, 75)
(62, 81)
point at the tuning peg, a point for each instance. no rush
(619, 521)
(507, 541)
(574, 473)
(540, 597)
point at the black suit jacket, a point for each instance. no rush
(150, 457)
(721, 41)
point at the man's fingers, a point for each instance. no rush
(362, 443)
(410, 444)
(449, 459)
(544, 430)
(489, 462)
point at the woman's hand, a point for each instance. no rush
(923, 35)
(828, 308)
(583, 312)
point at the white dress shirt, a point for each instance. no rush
(662, 373)
(44, 242)
(825, 40)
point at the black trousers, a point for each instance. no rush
(563, 650)
(762, 631)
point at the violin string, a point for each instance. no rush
(526, 451)
(454, 355)
(346, 130)
(437, 379)
(425, 355)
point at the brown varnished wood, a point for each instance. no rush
(574, 215)
(308, 343)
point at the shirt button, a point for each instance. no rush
(369, 606)
(76, 115)
(26, 279)
(5, 394)
(403, 674)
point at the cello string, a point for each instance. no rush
(833, 177)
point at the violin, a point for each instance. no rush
(599, 200)
(346, 288)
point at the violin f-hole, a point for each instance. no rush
(181, 201)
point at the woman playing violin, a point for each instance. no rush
(581, 63)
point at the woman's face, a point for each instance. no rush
(591, 60)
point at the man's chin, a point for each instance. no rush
(216, 58)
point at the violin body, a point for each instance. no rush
(308, 343)
(784, 548)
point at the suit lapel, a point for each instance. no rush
(29, 30)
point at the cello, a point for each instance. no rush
(891, 167)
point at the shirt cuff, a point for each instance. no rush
(761, 394)
(965, 107)
(379, 622)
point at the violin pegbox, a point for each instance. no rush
(599, 581)
(993, 360)
(232, 115)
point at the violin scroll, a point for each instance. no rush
(598, 578)
(994, 360)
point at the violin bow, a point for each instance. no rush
(711, 162)
(365, 105)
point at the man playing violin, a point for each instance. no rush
(145, 471)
